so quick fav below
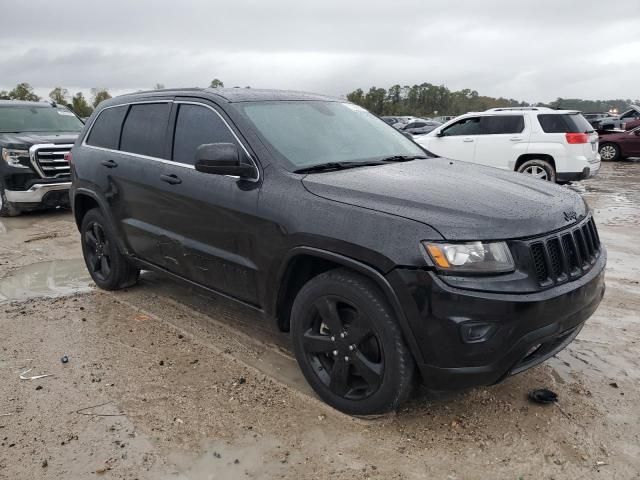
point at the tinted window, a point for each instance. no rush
(145, 128)
(466, 126)
(502, 124)
(631, 114)
(195, 126)
(105, 132)
(564, 123)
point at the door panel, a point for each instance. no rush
(458, 140)
(505, 138)
(209, 219)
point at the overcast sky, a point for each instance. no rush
(526, 49)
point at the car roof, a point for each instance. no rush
(24, 103)
(234, 95)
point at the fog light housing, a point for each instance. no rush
(476, 332)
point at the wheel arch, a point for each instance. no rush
(84, 200)
(525, 157)
(304, 263)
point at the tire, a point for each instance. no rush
(609, 152)
(107, 266)
(538, 168)
(7, 209)
(362, 365)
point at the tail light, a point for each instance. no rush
(574, 138)
(68, 157)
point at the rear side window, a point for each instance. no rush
(105, 131)
(145, 128)
(564, 123)
(466, 126)
(498, 124)
(195, 126)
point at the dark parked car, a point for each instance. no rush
(391, 120)
(380, 260)
(34, 138)
(420, 127)
(619, 122)
(594, 118)
(619, 145)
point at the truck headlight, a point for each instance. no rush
(471, 257)
(16, 158)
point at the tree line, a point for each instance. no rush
(424, 100)
(82, 106)
(78, 103)
(427, 100)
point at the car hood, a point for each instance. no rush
(27, 139)
(462, 201)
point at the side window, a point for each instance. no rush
(145, 128)
(466, 126)
(105, 131)
(197, 125)
(501, 124)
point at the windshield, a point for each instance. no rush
(16, 119)
(307, 133)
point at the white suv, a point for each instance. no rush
(554, 145)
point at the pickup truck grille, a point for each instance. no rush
(49, 162)
(566, 255)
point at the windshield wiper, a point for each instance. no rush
(402, 158)
(323, 167)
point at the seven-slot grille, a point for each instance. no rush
(49, 160)
(566, 255)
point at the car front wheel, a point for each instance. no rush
(349, 346)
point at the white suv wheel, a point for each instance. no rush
(537, 172)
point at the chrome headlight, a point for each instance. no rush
(471, 257)
(16, 158)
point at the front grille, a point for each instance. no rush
(49, 160)
(566, 255)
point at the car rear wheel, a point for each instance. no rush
(609, 152)
(107, 266)
(538, 168)
(349, 346)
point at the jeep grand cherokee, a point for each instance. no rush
(34, 138)
(382, 261)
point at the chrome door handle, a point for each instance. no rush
(516, 139)
(468, 140)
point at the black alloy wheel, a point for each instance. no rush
(108, 267)
(343, 349)
(97, 248)
(349, 345)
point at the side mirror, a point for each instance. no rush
(222, 159)
(439, 133)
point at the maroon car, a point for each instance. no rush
(617, 145)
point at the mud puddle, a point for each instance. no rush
(249, 457)
(46, 279)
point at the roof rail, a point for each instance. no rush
(506, 109)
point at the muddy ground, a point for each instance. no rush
(165, 382)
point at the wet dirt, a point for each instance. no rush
(197, 382)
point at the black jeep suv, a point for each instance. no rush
(382, 261)
(34, 139)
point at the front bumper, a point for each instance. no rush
(40, 193)
(522, 329)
